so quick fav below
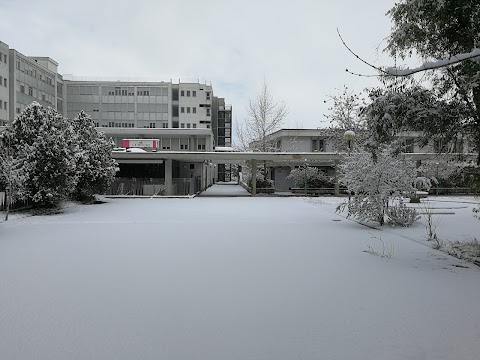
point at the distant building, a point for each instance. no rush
(122, 109)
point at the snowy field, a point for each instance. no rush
(233, 278)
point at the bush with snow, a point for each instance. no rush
(376, 182)
(401, 215)
(314, 177)
(95, 168)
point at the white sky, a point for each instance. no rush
(233, 44)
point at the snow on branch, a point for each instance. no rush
(429, 65)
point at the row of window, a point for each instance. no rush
(37, 94)
(187, 125)
(29, 70)
(3, 81)
(194, 110)
(151, 125)
(117, 90)
(193, 92)
(3, 57)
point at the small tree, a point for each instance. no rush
(95, 168)
(375, 182)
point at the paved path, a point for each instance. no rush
(225, 189)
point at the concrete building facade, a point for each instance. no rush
(181, 115)
(4, 84)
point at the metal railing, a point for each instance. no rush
(154, 187)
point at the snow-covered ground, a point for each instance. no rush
(233, 278)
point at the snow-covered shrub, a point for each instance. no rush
(261, 182)
(375, 181)
(95, 168)
(424, 183)
(468, 249)
(401, 215)
(47, 141)
(315, 177)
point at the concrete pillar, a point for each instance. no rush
(168, 178)
(337, 185)
(254, 177)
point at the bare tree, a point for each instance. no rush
(265, 115)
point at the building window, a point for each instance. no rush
(208, 95)
(182, 125)
(183, 146)
(5, 105)
(152, 125)
(165, 125)
(194, 110)
(194, 126)
(30, 91)
(208, 111)
(318, 145)
(188, 92)
(5, 82)
(17, 110)
(182, 109)
(201, 146)
(22, 89)
(194, 93)
(188, 110)
(18, 65)
(188, 125)
(182, 93)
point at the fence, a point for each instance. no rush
(150, 187)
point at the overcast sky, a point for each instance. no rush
(234, 44)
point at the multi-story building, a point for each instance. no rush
(31, 79)
(111, 104)
(4, 81)
(180, 115)
(130, 104)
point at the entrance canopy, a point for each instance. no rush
(223, 157)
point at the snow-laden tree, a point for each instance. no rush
(47, 142)
(12, 173)
(95, 168)
(312, 176)
(440, 32)
(376, 183)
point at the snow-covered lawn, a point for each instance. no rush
(232, 278)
